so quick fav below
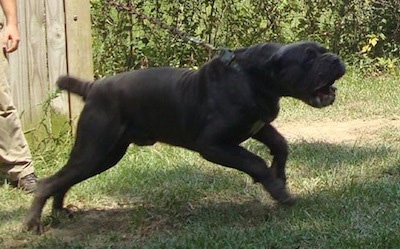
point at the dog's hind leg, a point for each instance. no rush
(113, 157)
(97, 148)
(110, 160)
(278, 147)
(58, 184)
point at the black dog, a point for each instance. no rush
(211, 110)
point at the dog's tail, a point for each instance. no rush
(74, 85)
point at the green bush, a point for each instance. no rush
(123, 42)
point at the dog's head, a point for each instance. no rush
(306, 71)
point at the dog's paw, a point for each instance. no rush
(289, 201)
(277, 190)
(34, 226)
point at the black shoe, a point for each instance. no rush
(28, 183)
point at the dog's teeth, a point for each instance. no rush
(318, 101)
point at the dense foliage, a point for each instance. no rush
(364, 32)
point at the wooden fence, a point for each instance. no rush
(55, 40)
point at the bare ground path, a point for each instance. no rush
(340, 131)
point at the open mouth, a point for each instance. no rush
(323, 96)
(325, 90)
(325, 93)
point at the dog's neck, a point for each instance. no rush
(228, 57)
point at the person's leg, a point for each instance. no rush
(15, 156)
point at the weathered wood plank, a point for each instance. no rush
(56, 50)
(37, 59)
(52, 33)
(79, 45)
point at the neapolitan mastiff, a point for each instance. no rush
(212, 110)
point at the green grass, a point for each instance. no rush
(167, 197)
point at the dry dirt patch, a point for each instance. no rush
(338, 131)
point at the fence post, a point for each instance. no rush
(79, 47)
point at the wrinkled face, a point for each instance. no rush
(307, 71)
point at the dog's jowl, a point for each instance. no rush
(210, 111)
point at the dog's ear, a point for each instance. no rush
(311, 55)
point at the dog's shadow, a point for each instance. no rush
(146, 218)
(134, 221)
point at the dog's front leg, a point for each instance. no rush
(236, 157)
(278, 147)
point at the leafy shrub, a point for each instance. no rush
(123, 42)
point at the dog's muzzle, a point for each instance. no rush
(323, 97)
(325, 93)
